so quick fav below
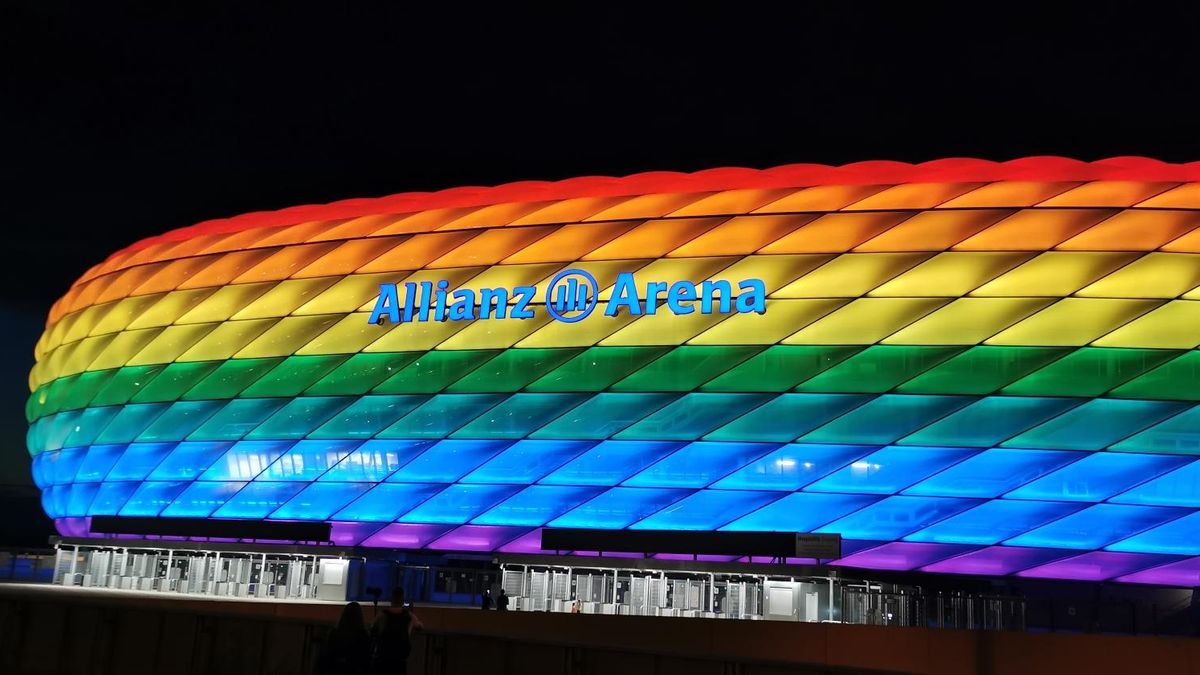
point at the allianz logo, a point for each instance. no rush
(572, 295)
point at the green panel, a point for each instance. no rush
(300, 417)
(780, 368)
(886, 418)
(126, 383)
(237, 418)
(604, 415)
(1097, 424)
(878, 369)
(56, 392)
(685, 368)
(1176, 379)
(85, 388)
(294, 375)
(1090, 371)
(174, 380)
(787, 417)
(693, 416)
(512, 370)
(228, 380)
(441, 415)
(367, 416)
(89, 424)
(990, 421)
(434, 371)
(181, 419)
(982, 370)
(361, 373)
(597, 368)
(34, 405)
(519, 415)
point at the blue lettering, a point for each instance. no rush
(653, 288)
(625, 295)
(521, 296)
(387, 304)
(493, 299)
(708, 288)
(681, 292)
(463, 307)
(753, 297)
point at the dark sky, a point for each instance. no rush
(121, 123)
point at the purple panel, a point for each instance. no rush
(997, 560)
(350, 534)
(1096, 566)
(73, 527)
(477, 538)
(608, 554)
(852, 546)
(901, 555)
(1182, 573)
(526, 543)
(699, 558)
(406, 535)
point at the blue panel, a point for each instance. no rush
(459, 503)
(97, 462)
(200, 499)
(110, 498)
(89, 425)
(886, 419)
(536, 504)
(1097, 526)
(1096, 424)
(367, 416)
(793, 466)
(699, 464)
(130, 422)
(181, 419)
(604, 415)
(189, 459)
(526, 461)
(994, 521)
(1178, 537)
(238, 418)
(706, 510)
(1180, 433)
(318, 501)
(138, 460)
(611, 462)
(895, 517)
(1098, 477)
(54, 501)
(152, 497)
(79, 499)
(891, 469)
(375, 460)
(441, 415)
(693, 416)
(385, 503)
(1181, 487)
(619, 507)
(307, 460)
(788, 416)
(447, 461)
(62, 466)
(993, 472)
(801, 512)
(299, 417)
(258, 499)
(990, 421)
(519, 415)
(245, 460)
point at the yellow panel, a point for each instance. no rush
(731, 202)
(225, 302)
(1073, 322)
(417, 251)
(122, 314)
(950, 274)
(54, 335)
(348, 256)
(865, 321)
(1186, 196)
(663, 328)
(967, 321)
(286, 336)
(285, 262)
(494, 333)
(122, 348)
(741, 235)
(296, 234)
(227, 339)
(80, 324)
(223, 270)
(496, 215)
(1108, 193)
(648, 206)
(349, 335)
(836, 232)
(775, 271)
(173, 274)
(454, 276)
(423, 221)
(83, 353)
(821, 198)
(568, 210)
(173, 341)
(52, 368)
(1155, 275)
(170, 307)
(348, 294)
(284, 298)
(1034, 230)
(912, 196)
(583, 333)
(569, 242)
(851, 275)
(1134, 230)
(1172, 326)
(932, 231)
(492, 246)
(414, 336)
(654, 238)
(1008, 193)
(782, 318)
(1054, 273)
(670, 270)
(364, 226)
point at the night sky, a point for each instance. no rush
(122, 123)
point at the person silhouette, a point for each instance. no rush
(502, 601)
(487, 599)
(348, 647)
(393, 635)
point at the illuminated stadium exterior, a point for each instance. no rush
(960, 366)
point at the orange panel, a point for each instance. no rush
(654, 238)
(114, 263)
(349, 256)
(1008, 193)
(1034, 230)
(836, 232)
(152, 253)
(285, 262)
(913, 196)
(1134, 230)
(193, 245)
(742, 235)
(648, 206)
(569, 210)
(418, 251)
(423, 221)
(227, 267)
(239, 240)
(124, 283)
(1188, 243)
(495, 215)
(355, 227)
(1108, 193)
(492, 246)
(821, 198)
(731, 202)
(570, 242)
(89, 292)
(297, 234)
(174, 273)
(932, 231)
(1186, 196)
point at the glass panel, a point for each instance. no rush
(434, 371)
(993, 472)
(693, 416)
(699, 464)
(597, 368)
(787, 416)
(895, 517)
(200, 499)
(1174, 379)
(299, 417)
(512, 370)
(886, 419)
(174, 380)
(706, 510)
(1090, 371)
(780, 368)
(1098, 477)
(878, 369)
(245, 460)
(1096, 424)
(619, 507)
(181, 419)
(1097, 526)
(230, 378)
(1177, 435)
(84, 389)
(375, 460)
(385, 503)
(800, 512)
(610, 462)
(97, 462)
(124, 384)
(152, 498)
(1178, 537)
(308, 460)
(526, 461)
(604, 415)
(459, 503)
(1181, 487)
(138, 460)
(891, 469)
(367, 416)
(993, 522)
(982, 370)
(447, 461)
(62, 466)
(238, 418)
(519, 415)
(685, 368)
(79, 499)
(189, 460)
(258, 500)
(319, 501)
(294, 375)
(441, 415)
(89, 424)
(792, 467)
(131, 421)
(111, 497)
(361, 373)
(991, 421)
(535, 505)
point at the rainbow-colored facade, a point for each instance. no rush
(963, 366)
